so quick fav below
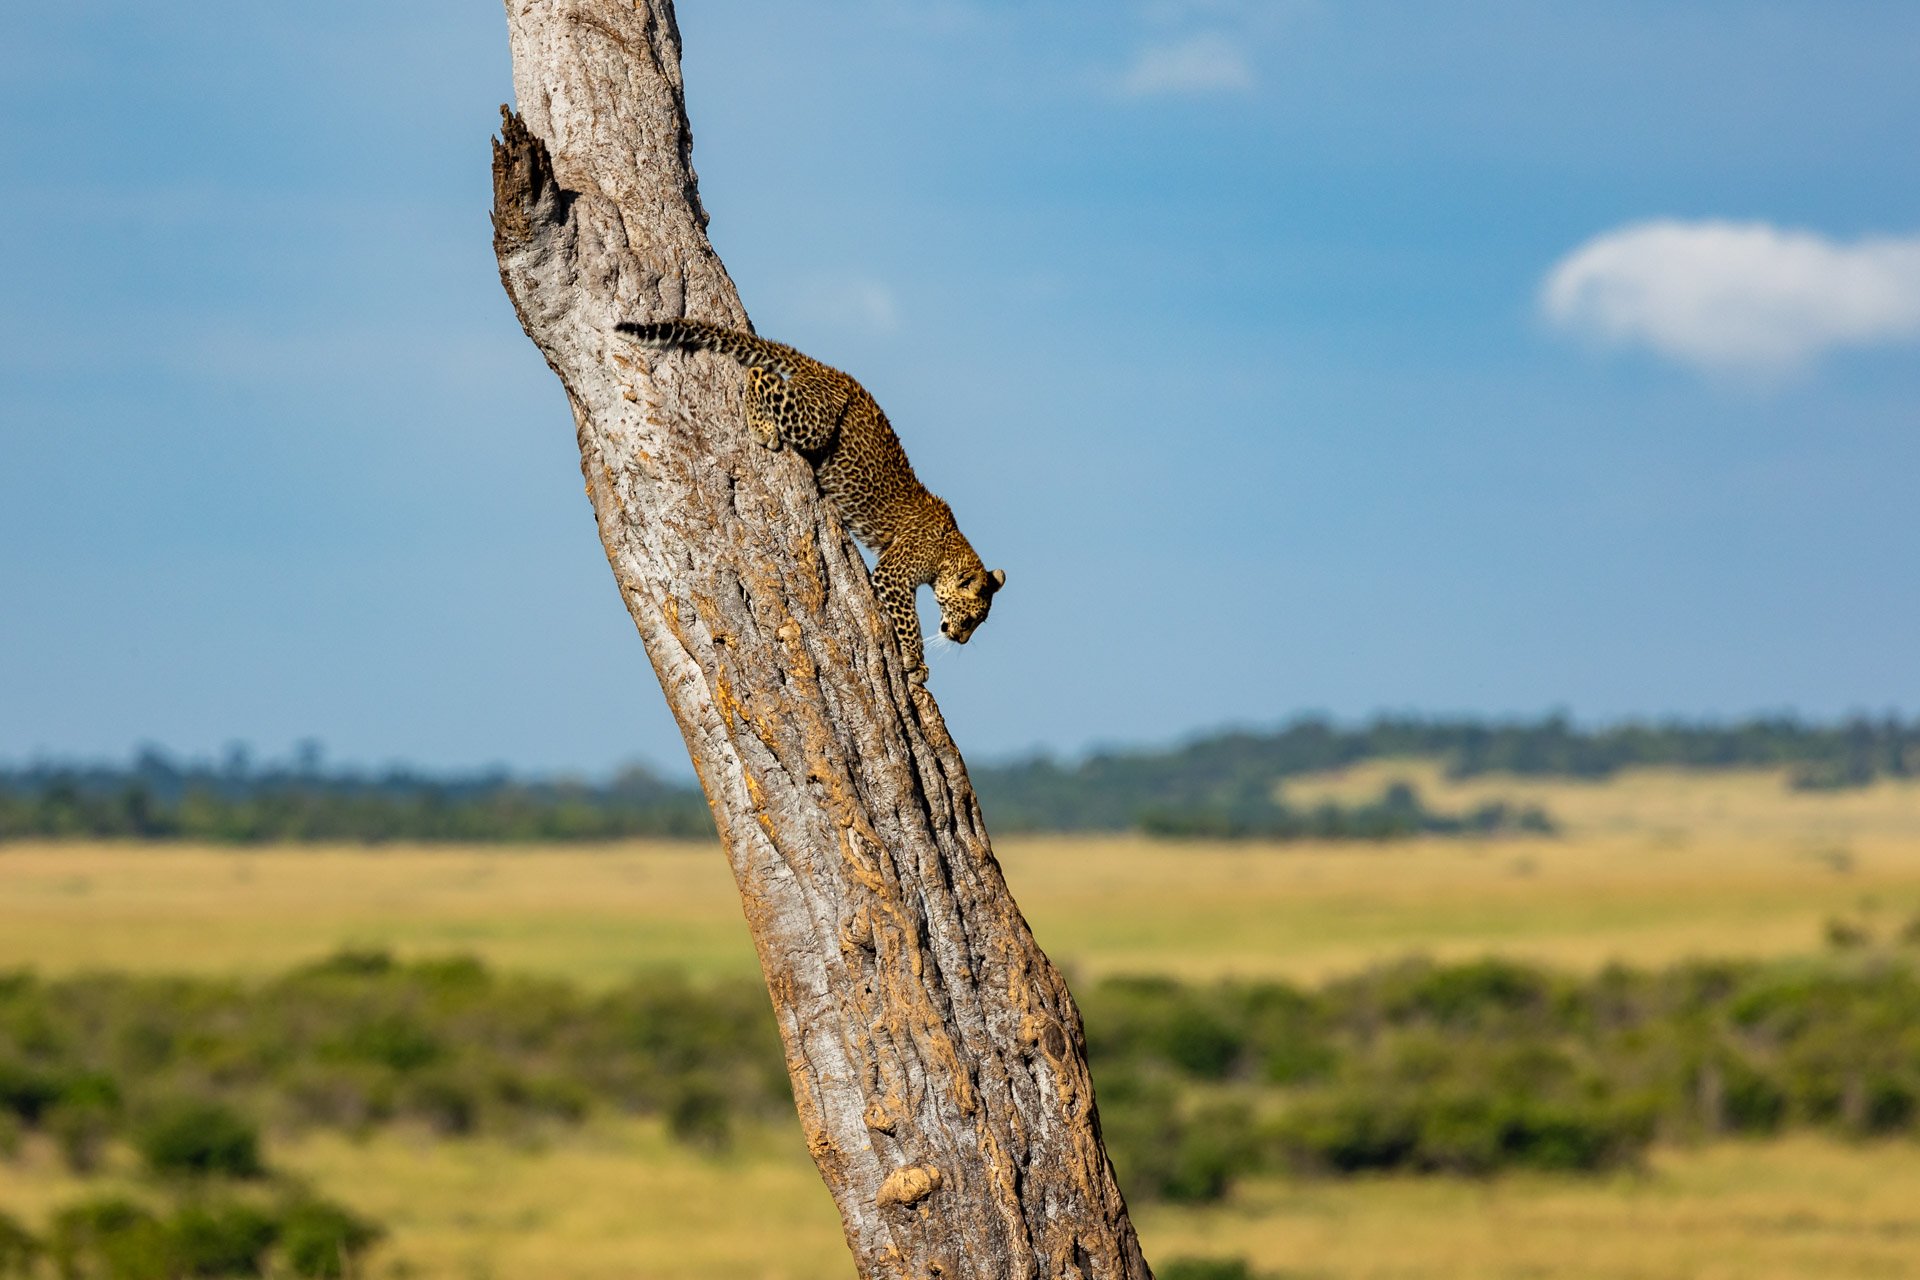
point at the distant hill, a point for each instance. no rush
(1223, 785)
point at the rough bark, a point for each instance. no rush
(937, 1058)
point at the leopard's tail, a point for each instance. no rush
(697, 335)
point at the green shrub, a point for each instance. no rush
(324, 1241)
(389, 1039)
(116, 1239)
(222, 1238)
(1211, 1148)
(80, 1132)
(1457, 1129)
(1161, 1152)
(83, 1117)
(1482, 1134)
(448, 1104)
(1204, 1269)
(699, 1115)
(193, 1138)
(1470, 994)
(352, 961)
(1201, 1042)
(26, 1092)
(111, 1238)
(547, 1097)
(1350, 1132)
(1288, 1032)
(19, 1250)
(1891, 1105)
(338, 1095)
(1752, 1103)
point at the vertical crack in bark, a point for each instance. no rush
(936, 1057)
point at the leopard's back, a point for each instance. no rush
(866, 473)
(794, 400)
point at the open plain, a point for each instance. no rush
(1647, 869)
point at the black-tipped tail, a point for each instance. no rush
(690, 334)
(698, 335)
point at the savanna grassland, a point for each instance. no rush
(1649, 869)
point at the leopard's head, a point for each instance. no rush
(965, 590)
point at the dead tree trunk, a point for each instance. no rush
(937, 1058)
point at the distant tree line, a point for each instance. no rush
(1210, 779)
(1398, 812)
(1224, 785)
(158, 798)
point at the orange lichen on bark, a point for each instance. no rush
(909, 1186)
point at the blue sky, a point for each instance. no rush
(1486, 357)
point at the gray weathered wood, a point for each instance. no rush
(937, 1058)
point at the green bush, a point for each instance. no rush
(699, 1116)
(322, 1240)
(26, 1092)
(1204, 1269)
(80, 1132)
(222, 1238)
(1212, 1147)
(1350, 1132)
(111, 1238)
(1202, 1043)
(1163, 1151)
(1457, 1129)
(19, 1250)
(1478, 991)
(387, 1039)
(193, 1138)
(448, 1104)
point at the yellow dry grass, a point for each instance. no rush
(1652, 867)
(593, 914)
(620, 1200)
(1794, 1209)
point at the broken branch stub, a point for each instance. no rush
(937, 1058)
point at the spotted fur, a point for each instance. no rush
(793, 399)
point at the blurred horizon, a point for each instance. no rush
(310, 758)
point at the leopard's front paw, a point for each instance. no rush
(917, 675)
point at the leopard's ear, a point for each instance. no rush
(999, 577)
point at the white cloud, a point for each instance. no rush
(1205, 63)
(1736, 297)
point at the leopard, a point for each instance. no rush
(794, 401)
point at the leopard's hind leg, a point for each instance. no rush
(765, 392)
(802, 410)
